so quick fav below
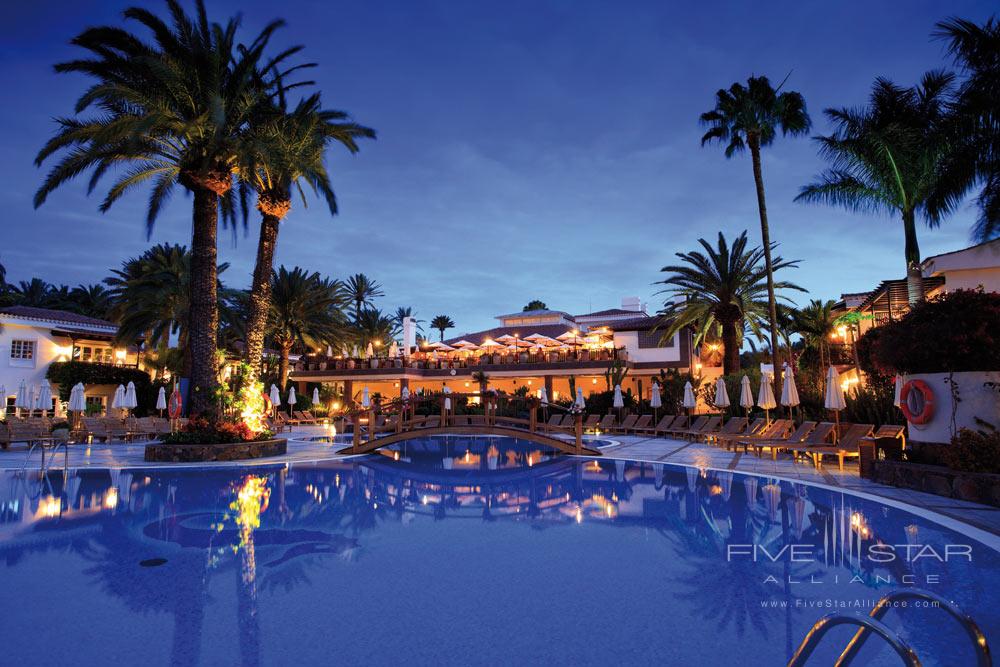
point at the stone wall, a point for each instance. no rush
(237, 451)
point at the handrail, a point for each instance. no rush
(882, 607)
(823, 625)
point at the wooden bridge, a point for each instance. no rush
(380, 425)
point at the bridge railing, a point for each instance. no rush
(401, 415)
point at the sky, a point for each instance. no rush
(526, 149)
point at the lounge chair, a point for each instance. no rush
(626, 424)
(753, 429)
(776, 430)
(665, 421)
(19, 431)
(607, 423)
(846, 447)
(640, 423)
(698, 424)
(591, 422)
(712, 424)
(818, 437)
(303, 418)
(734, 426)
(793, 438)
(553, 422)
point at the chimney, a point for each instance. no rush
(631, 303)
(409, 335)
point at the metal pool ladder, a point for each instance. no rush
(873, 623)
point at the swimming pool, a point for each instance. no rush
(458, 550)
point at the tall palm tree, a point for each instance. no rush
(887, 158)
(374, 327)
(722, 290)
(363, 290)
(815, 322)
(286, 151)
(90, 300)
(35, 292)
(3, 278)
(442, 322)
(169, 111)
(306, 311)
(975, 157)
(750, 117)
(402, 312)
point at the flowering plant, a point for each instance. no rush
(202, 431)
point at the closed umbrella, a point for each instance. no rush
(833, 397)
(44, 399)
(393, 350)
(315, 396)
(22, 401)
(77, 398)
(3, 402)
(746, 395)
(447, 401)
(655, 401)
(369, 351)
(619, 401)
(366, 401)
(275, 397)
(161, 400)
(689, 401)
(543, 396)
(721, 393)
(119, 398)
(765, 396)
(292, 400)
(580, 403)
(897, 397)
(130, 401)
(789, 393)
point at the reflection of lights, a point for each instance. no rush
(50, 506)
(715, 490)
(423, 500)
(395, 456)
(579, 515)
(111, 498)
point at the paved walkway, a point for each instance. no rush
(301, 447)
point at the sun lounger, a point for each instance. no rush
(665, 422)
(698, 424)
(607, 423)
(846, 447)
(776, 430)
(640, 423)
(818, 437)
(626, 424)
(793, 438)
(553, 423)
(711, 425)
(591, 422)
(755, 427)
(734, 426)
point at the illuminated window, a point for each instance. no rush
(22, 350)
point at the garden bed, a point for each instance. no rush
(230, 451)
(977, 487)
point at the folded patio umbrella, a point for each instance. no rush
(315, 395)
(896, 400)
(366, 402)
(369, 351)
(619, 401)
(689, 401)
(275, 396)
(721, 393)
(161, 399)
(543, 396)
(405, 394)
(393, 350)
(119, 397)
(765, 396)
(746, 394)
(3, 401)
(654, 398)
(833, 396)
(43, 401)
(789, 393)
(130, 401)
(292, 399)
(447, 401)
(22, 401)
(580, 403)
(78, 398)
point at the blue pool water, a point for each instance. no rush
(462, 551)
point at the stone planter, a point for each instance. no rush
(975, 400)
(977, 487)
(236, 451)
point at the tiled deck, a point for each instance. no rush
(661, 450)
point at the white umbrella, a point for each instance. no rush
(721, 393)
(315, 396)
(116, 401)
(393, 350)
(366, 402)
(44, 399)
(275, 396)
(789, 393)
(833, 397)
(543, 396)
(161, 399)
(689, 401)
(746, 393)
(3, 401)
(765, 396)
(654, 399)
(369, 351)
(292, 399)
(580, 403)
(405, 394)
(896, 400)
(447, 401)
(130, 401)
(23, 400)
(618, 401)
(77, 398)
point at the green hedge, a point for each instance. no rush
(68, 373)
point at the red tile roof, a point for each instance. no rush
(51, 315)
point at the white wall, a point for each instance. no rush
(630, 341)
(47, 350)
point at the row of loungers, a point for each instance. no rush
(106, 429)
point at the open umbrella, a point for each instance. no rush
(654, 399)
(161, 400)
(292, 400)
(721, 393)
(833, 397)
(746, 395)
(765, 396)
(789, 393)
(44, 399)
(897, 396)
(130, 400)
(689, 401)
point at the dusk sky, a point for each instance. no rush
(526, 150)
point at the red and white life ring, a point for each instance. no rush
(267, 404)
(916, 400)
(175, 404)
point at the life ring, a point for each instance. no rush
(174, 405)
(916, 400)
(268, 406)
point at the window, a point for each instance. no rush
(23, 350)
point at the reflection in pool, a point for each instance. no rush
(462, 551)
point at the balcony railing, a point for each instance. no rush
(322, 363)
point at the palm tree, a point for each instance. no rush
(169, 111)
(750, 117)
(887, 158)
(362, 290)
(287, 150)
(305, 312)
(722, 290)
(442, 322)
(402, 312)
(815, 322)
(90, 300)
(3, 278)
(35, 292)
(374, 327)
(975, 157)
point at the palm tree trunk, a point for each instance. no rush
(914, 276)
(204, 317)
(283, 366)
(260, 292)
(730, 349)
(765, 234)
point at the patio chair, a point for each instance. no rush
(846, 447)
(665, 421)
(607, 423)
(776, 430)
(734, 426)
(591, 422)
(642, 422)
(818, 437)
(712, 424)
(891, 431)
(755, 427)
(301, 417)
(553, 422)
(625, 425)
(696, 425)
(29, 434)
(793, 438)
(308, 416)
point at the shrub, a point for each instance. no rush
(204, 432)
(68, 373)
(974, 451)
(956, 332)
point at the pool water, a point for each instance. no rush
(454, 550)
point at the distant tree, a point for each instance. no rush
(35, 292)
(535, 304)
(442, 322)
(750, 117)
(721, 290)
(363, 291)
(815, 322)
(402, 312)
(374, 327)
(90, 300)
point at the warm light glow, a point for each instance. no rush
(252, 407)
(120, 355)
(111, 498)
(594, 381)
(49, 507)
(336, 405)
(529, 381)
(555, 396)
